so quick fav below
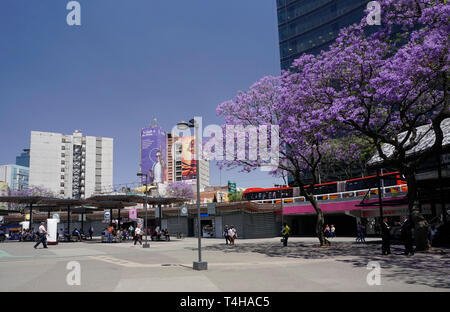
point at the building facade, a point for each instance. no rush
(16, 177)
(71, 166)
(309, 26)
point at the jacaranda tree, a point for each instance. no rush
(384, 84)
(375, 84)
(180, 190)
(304, 137)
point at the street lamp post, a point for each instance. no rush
(182, 125)
(146, 244)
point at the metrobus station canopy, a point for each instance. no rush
(135, 199)
(4, 212)
(83, 206)
(426, 141)
(121, 201)
(23, 200)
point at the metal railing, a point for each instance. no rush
(392, 190)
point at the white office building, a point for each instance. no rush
(71, 166)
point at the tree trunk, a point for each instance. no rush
(320, 221)
(421, 227)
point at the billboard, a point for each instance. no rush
(154, 154)
(188, 162)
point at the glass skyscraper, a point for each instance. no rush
(24, 158)
(309, 26)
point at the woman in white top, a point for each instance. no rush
(232, 234)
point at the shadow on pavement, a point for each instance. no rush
(431, 269)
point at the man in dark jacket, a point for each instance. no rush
(406, 233)
(386, 237)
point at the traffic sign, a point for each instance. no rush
(231, 187)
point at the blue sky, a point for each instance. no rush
(129, 62)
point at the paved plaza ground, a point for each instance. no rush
(257, 265)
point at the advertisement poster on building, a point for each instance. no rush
(189, 164)
(154, 154)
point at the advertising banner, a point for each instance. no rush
(107, 217)
(188, 162)
(154, 155)
(132, 214)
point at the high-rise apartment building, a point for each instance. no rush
(309, 26)
(71, 166)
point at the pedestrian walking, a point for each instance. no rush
(361, 233)
(91, 231)
(406, 234)
(232, 234)
(166, 234)
(285, 231)
(332, 231)
(432, 234)
(110, 231)
(327, 231)
(225, 234)
(386, 237)
(42, 236)
(2, 235)
(138, 234)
